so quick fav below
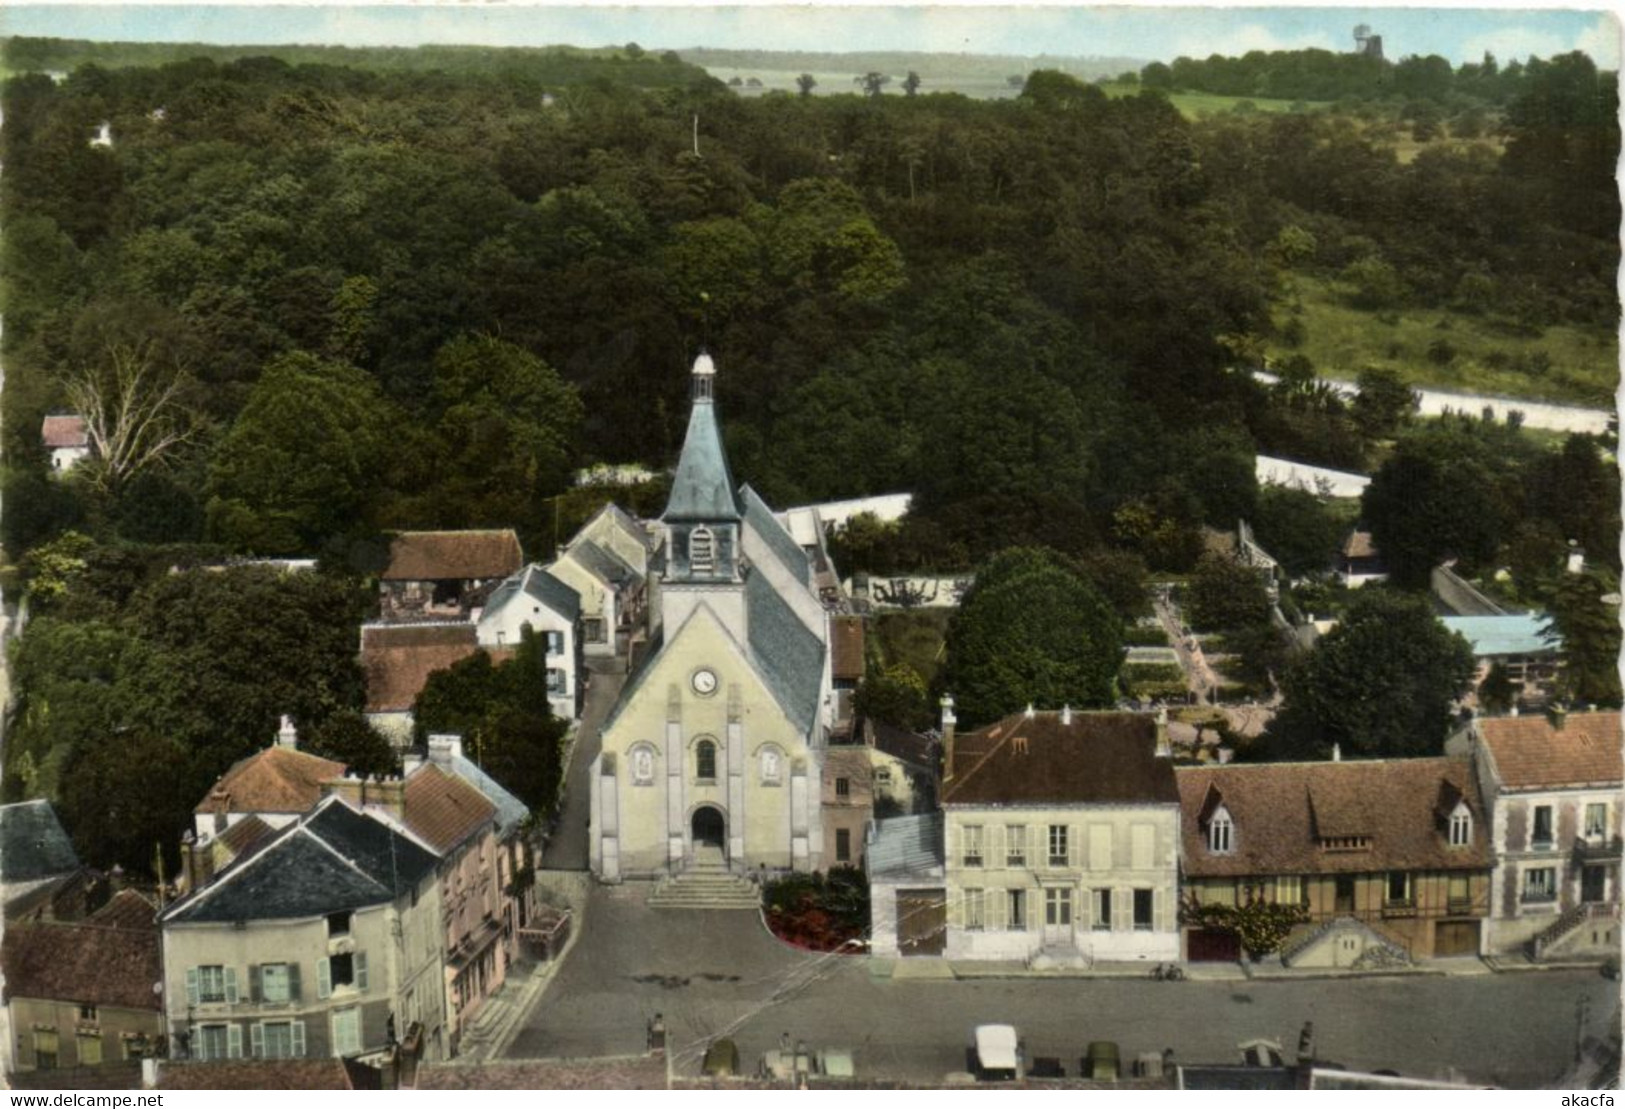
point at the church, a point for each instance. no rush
(714, 752)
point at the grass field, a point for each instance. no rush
(914, 637)
(1343, 340)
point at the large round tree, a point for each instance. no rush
(1379, 685)
(1032, 630)
(1434, 499)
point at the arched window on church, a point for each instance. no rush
(702, 549)
(705, 760)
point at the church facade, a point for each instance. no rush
(714, 751)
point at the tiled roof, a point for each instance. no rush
(1359, 545)
(760, 519)
(900, 743)
(906, 845)
(1098, 758)
(333, 860)
(510, 811)
(92, 964)
(126, 909)
(453, 555)
(442, 809)
(1530, 753)
(630, 1072)
(276, 780)
(846, 647)
(1281, 812)
(64, 431)
(702, 488)
(33, 844)
(788, 656)
(255, 1074)
(397, 659)
(1511, 634)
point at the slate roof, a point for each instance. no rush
(1099, 758)
(602, 563)
(1281, 811)
(331, 861)
(905, 845)
(255, 1074)
(91, 964)
(397, 659)
(245, 833)
(442, 809)
(846, 647)
(33, 844)
(703, 487)
(623, 520)
(900, 743)
(276, 780)
(59, 432)
(788, 656)
(761, 519)
(453, 555)
(1512, 634)
(510, 811)
(542, 587)
(1529, 753)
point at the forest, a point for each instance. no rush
(310, 300)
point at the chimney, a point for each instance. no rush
(346, 788)
(410, 761)
(1225, 755)
(386, 795)
(1577, 558)
(287, 735)
(1165, 749)
(1066, 716)
(115, 877)
(1337, 752)
(1029, 712)
(1557, 715)
(948, 722)
(445, 748)
(1513, 711)
(190, 878)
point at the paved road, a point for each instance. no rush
(718, 973)
(567, 850)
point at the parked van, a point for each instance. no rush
(996, 1053)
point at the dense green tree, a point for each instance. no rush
(1585, 615)
(1031, 630)
(1496, 693)
(1224, 595)
(896, 695)
(1434, 499)
(1379, 685)
(1383, 404)
(347, 737)
(1300, 530)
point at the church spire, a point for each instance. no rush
(703, 488)
(704, 375)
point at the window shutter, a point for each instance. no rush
(293, 981)
(324, 978)
(1035, 844)
(1159, 909)
(234, 1041)
(361, 971)
(1122, 910)
(231, 986)
(1072, 834)
(256, 1040)
(993, 908)
(1083, 912)
(298, 1039)
(254, 992)
(995, 847)
(192, 995)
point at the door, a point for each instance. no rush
(1209, 945)
(1594, 883)
(1345, 894)
(1057, 917)
(709, 827)
(922, 921)
(1455, 937)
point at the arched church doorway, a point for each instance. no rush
(709, 827)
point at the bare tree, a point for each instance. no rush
(133, 412)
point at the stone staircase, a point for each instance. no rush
(1568, 934)
(706, 886)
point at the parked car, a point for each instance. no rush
(1101, 1061)
(996, 1053)
(721, 1060)
(786, 1065)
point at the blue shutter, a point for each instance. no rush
(234, 1041)
(298, 1039)
(231, 986)
(256, 1040)
(192, 995)
(324, 978)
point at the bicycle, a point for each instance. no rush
(1168, 972)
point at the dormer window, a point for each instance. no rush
(702, 550)
(1461, 826)
(1221, 833)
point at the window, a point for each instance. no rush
(283, 1039)
(1015, 845)
(89, 1047)
(341, 968)
(218, 1041)
(883, 776)
(555, 643)
(1103, 911)
(1541, 840)
(1540, 884)
(212, 985)
(1289, 890)
(843, 787)
(1057, 845)
(1018, 910)
(555, 680)
(974, 918)
(341, 972)
(1458, 894)
(1220, 834)
(592, 629)
(1143, 901)
(347, 1032)
(702, 549)
(971, 843)
(1461, 827)
(274, 984)
(87, 1012)
(338, 924)
(705, 760)
(45, 1048)
(1399, 887)
(1058, 908)
(1596, 821)
(843, 845)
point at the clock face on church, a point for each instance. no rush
(704, 682)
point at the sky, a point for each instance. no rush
(1142, 32)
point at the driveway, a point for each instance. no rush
(719, 973)
(567, 849)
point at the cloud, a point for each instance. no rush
(1600, 40)
(1236, 41)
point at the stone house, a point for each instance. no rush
(325, 939)
(907, 895)
(535, 599)
(396, 661)
(614, 595)
(80, 994)
(1552, 783)
(67, 437)
(1397, 848)
(903, 768)
(275, 787)
(445, 575)
(1061, 839)
(848, 801)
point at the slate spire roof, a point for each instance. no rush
(703, 488)
(33, 844)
